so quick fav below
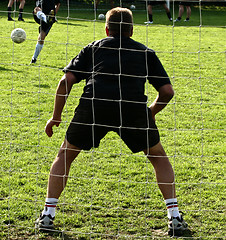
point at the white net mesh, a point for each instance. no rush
(112, 193)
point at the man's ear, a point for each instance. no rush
(107, 31)
(131, 32)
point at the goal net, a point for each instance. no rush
(112, 193)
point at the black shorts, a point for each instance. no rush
(156, 2)
(43, 25)
(134, 125)
(185, 3)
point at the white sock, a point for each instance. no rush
(38, 49)
(41, 15)
(50, 206)
(172, 208)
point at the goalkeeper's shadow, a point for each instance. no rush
(188, 233)
(73, 24)
(55, 234)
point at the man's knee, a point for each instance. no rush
(69, 149)
(155, 151)
(36, 9)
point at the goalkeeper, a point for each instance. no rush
(115, 69)
(44, 14)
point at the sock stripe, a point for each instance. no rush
(171, 203)
(50, 205)
(172, 206)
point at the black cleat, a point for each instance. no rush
(177, 226)
(44, 222)
(33, 61)
(21, 19)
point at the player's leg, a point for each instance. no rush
(40, 15)
(21, 7)
(96, 4)
(57, 181)
(150, 16)
(60, 169)
(188, 13)
(181, 10)
(39, 46)
(163, 169)
(43, 31)
(165, 179)
(22, 3)
(180, 13)
(10, 4)
(167, 11)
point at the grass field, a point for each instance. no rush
(112, 193)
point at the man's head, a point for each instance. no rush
(119, 22)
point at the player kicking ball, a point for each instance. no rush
(115, 70)
(44, 14)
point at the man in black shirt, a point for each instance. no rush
(44, 14)
(115, 69)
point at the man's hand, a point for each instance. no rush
(49, 126)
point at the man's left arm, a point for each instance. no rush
(161, 82)
(165, 94)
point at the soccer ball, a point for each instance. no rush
(18, 35)
(101, 16)
(132, 7)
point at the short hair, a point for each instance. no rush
(119, 21)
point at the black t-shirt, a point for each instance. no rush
(117, 69)
(47, 5)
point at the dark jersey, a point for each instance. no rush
(47, 5)
(117, 69)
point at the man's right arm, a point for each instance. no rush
(57, 6)
(63, 90)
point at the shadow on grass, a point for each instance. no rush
(9, 68)
(4, 69)
(73, 24)
(42, 85)
(188, 234)
(56, 234)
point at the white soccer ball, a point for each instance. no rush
(101, 16)
(132, 7)
(18, 35)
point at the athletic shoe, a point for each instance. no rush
(170, 19)
(21, 19)
(33, 61)
(148, 22)
(10, 19)
(177, 226)
(177, 20)
(186, 20)
(44, 222)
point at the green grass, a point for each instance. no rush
(112, 193)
